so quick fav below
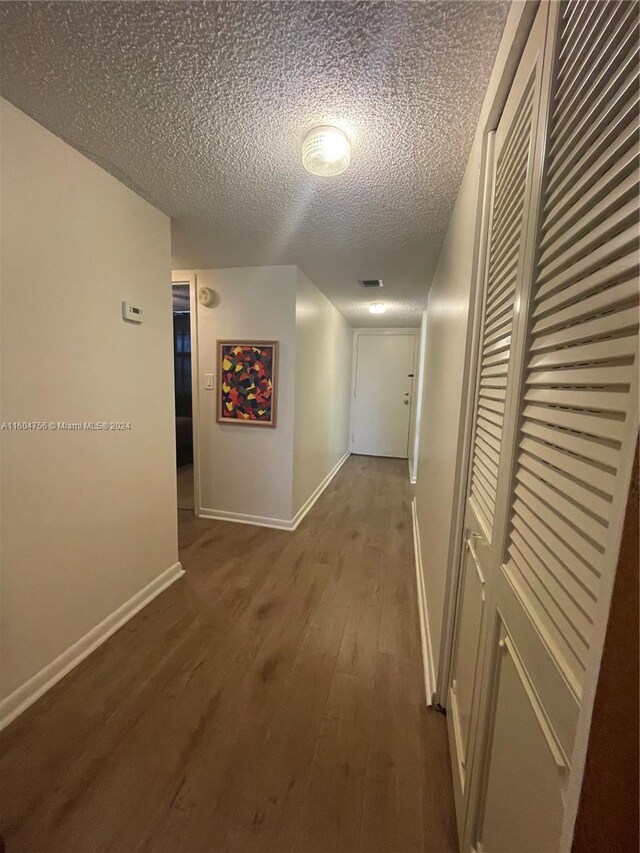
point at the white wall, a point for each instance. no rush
(324, 347)
(444, 367)
(245, 470)
(88, 518)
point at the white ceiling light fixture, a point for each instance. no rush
(377, 308)
(326, 151)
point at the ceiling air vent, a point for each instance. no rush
(371, 282)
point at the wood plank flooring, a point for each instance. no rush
(270, 700)
(185, 487)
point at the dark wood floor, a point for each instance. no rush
(270, 700)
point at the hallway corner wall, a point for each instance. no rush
(442, 398)
(89, 528)
(246, 472)
(324, 350)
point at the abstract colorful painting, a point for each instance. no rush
(247, 376)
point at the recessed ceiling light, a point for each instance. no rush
(377, 308)
(326, 151)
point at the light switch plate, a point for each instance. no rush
(208, 381)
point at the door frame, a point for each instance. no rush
(414, 450)
(189, 277)
(357, 333)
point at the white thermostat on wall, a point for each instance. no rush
(131, 312)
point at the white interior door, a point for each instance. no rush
(382, 401)
(515, 150)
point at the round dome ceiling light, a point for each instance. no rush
(377, 308)
(326, 151)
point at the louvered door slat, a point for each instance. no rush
(595, 206)
(595, 424)
(583, 17)
(622, 98)
(607, 52)
(601, 160)
(565, 461)
(504, 289)
(621, 322)
(497, 329)
(548, 549)
(594, 400)
(490, 416)
(623, 242)
(512, 163)
(555, 635)
(545, 569)
(499, 310)
(597, 451)
(489, 439)
(500, 265)
(577, 17)
(484, 451)
(557, 514)
(592, 375)
(487, 476)
(595, 185)
(581, 367)
(570, 127)
(606, 350)
(589, 509)
(495, 360)
(604, 19)
(615, 296)
(620, 270)
(489, 427)
(485, 502)
(593, 151)
(493, 381)
(556, 628)
(494, 348)
(492, 370)
(511, 209)
(567, 502)
(619, 219)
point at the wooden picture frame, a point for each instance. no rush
(247, 397)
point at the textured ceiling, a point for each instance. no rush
(202, 107)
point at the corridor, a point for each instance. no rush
(271, 700)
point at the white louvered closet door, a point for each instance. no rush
(573, 422)
(516, 161)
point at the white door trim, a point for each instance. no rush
(189, 277)
(417, 397)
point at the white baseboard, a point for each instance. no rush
(244, 518)
(35, 687)
(425, 634)
(306, 506)
(277, 523)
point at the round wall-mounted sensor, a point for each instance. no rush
(206, 297)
